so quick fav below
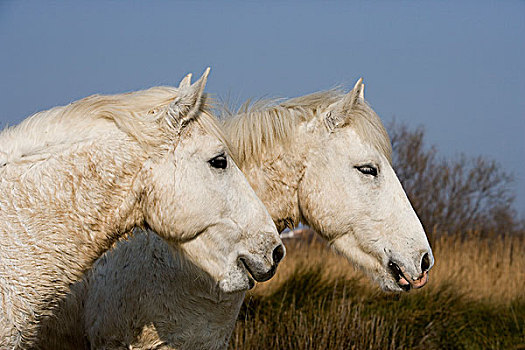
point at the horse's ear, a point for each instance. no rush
(188, 103)
(338, 115)
(186, 82)
(357, 94)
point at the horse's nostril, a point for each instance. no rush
(425, 263)
(278, 254)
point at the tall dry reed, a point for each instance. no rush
(475, 300)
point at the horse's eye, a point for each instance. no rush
(219, 162)
(367, 169)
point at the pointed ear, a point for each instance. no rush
(337, 116)
(362, 91)
(187, 104)
(186, 82)
(357, 94)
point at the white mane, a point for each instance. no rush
(135, 114)
(257, 127)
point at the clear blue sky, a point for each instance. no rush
(454, 67)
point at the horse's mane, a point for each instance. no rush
(257, 127)
(136, 114)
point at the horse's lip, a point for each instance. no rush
(249, 274)
(261, 277)
(402, 281)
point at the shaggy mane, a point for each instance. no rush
(256, 128)
(137, 114)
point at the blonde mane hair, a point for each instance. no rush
(258, 127)
(137, 114)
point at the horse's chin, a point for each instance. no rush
(388, 284)
(391, 279)
(236, 280)
(382, 277)
(390, 275)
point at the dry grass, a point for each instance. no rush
(478, 268)
(475, 299)
(484, 268)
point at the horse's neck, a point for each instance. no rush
(197, 294)
(276, 180)
(173, 275)
(62, 213)
(172, 291)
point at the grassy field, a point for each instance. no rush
(475, 299)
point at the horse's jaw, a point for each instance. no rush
(391, 271)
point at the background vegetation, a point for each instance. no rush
(475, 298)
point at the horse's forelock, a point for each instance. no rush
(367, 124)
(211, 125)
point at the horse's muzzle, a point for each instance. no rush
(257, 270)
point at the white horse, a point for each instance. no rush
(322, 159)
(76, 178)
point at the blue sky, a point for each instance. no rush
(454, 67)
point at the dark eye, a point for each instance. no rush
(219, 162)
(367, 169)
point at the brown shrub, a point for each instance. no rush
(456, 195)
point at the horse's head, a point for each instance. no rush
(351, 195)
(193, 194)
